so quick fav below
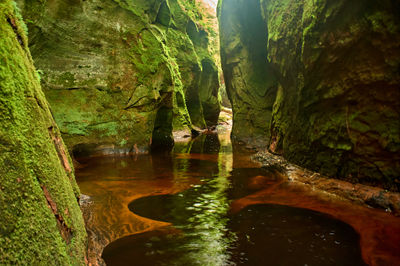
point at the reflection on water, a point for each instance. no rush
(202, 232)
(199, 213)
(283, 235)
(258, 234)
(200, 205)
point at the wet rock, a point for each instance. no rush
(85, 200)
(358, 193)
(272, 162)
(385, 200)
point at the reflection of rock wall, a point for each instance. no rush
(109, 68)
(40, 220)
(317, 81)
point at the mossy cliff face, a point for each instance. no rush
(332, 69)
(250, 84)
(40, 219)
(119, 74)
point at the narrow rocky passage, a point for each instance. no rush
(200, 132)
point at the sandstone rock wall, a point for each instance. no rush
(121, 75)
(249, 81)
(40, 219)
(327, 94)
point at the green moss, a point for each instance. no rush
(250, 80)
(35, 169)
(106, 79)
(67, 79)
(382, 21)
(147, 55)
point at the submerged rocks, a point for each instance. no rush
(124, 73)
(317, 82)
(40, 219)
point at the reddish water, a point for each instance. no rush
(201, 205)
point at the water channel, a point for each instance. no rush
(178, 209)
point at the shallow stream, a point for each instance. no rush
(179, 209)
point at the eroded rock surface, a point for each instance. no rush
(121, 75)
(317, 82)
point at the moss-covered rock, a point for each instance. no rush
(40, 219)
(108, 67)
(335, 67)
(250, 83)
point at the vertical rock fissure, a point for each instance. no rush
(13, 25)
(62, 155)
(65, 231)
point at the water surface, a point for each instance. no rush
(175, 209)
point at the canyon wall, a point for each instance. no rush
(40, 219)
(120, 76)
(317, 81)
